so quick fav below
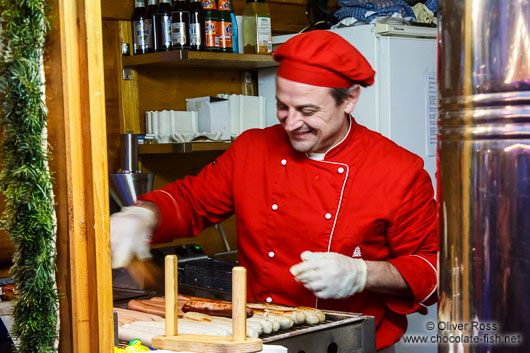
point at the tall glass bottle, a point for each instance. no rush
(211, 25)
(140, 29)
(150, 17)
(180, 25)
(163, 15)
(197, 33)
(257, 38)
(225, 26)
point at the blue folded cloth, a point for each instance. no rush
(432, 5)
(380, 8)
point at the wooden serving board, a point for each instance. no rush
(202, 343)
(206, 344)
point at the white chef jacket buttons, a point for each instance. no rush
(284, 161)
(271, 254)
(340, 170)
(328, 216)
(268, 300)
(274, 207)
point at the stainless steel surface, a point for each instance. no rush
(115, 320)
(341, 332)
(125, 188)
(129, 183)
(129, 152)
(222, 233)
(125, 49)
(484, 141)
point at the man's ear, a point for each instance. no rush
(351, 101)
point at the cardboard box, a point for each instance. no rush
(246, 112)
(213, 114)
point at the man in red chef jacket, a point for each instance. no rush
(329, 214)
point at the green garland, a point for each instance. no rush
(25, 178)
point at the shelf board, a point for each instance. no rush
(187, 58)
(184, 147)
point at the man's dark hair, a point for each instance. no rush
(340, 94)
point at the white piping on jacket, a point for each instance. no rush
(424, 259)
(172, 199)
(435, 272)
(342, 190)
(340, 200)
(429, 295)
(338, 207)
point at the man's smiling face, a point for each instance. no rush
(310, 115)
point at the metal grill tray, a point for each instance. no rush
(340, 333)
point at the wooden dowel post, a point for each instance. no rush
(239, 304)
(171, 291)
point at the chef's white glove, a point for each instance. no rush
(330, 275)
(130, 231)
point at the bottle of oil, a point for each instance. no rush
(257, 37)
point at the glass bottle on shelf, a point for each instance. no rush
(211, 25)
(152, 24)
(235, 29)
(180, 24)
(197, 33)
(140, 29)
(257, 38)
(163, 15)
(225, 26)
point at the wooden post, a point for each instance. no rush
(239, 304)
(76, 127)
(171, 291)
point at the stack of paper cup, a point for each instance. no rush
(171, 125)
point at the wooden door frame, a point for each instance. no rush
(75, 97)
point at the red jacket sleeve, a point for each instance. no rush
(413, 239)
(189, 205)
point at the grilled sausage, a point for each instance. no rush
(223, 309)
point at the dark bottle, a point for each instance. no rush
(225, 26)
(180, 25)
(152, 24)
(197, 34)
(140, 29)
(211, 25)
(163, 16)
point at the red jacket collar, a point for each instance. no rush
(354, 130)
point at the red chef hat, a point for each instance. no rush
(323, 58)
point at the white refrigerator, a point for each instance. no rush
(401, 105)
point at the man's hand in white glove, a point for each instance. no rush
(330, 275)
(130, 231)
